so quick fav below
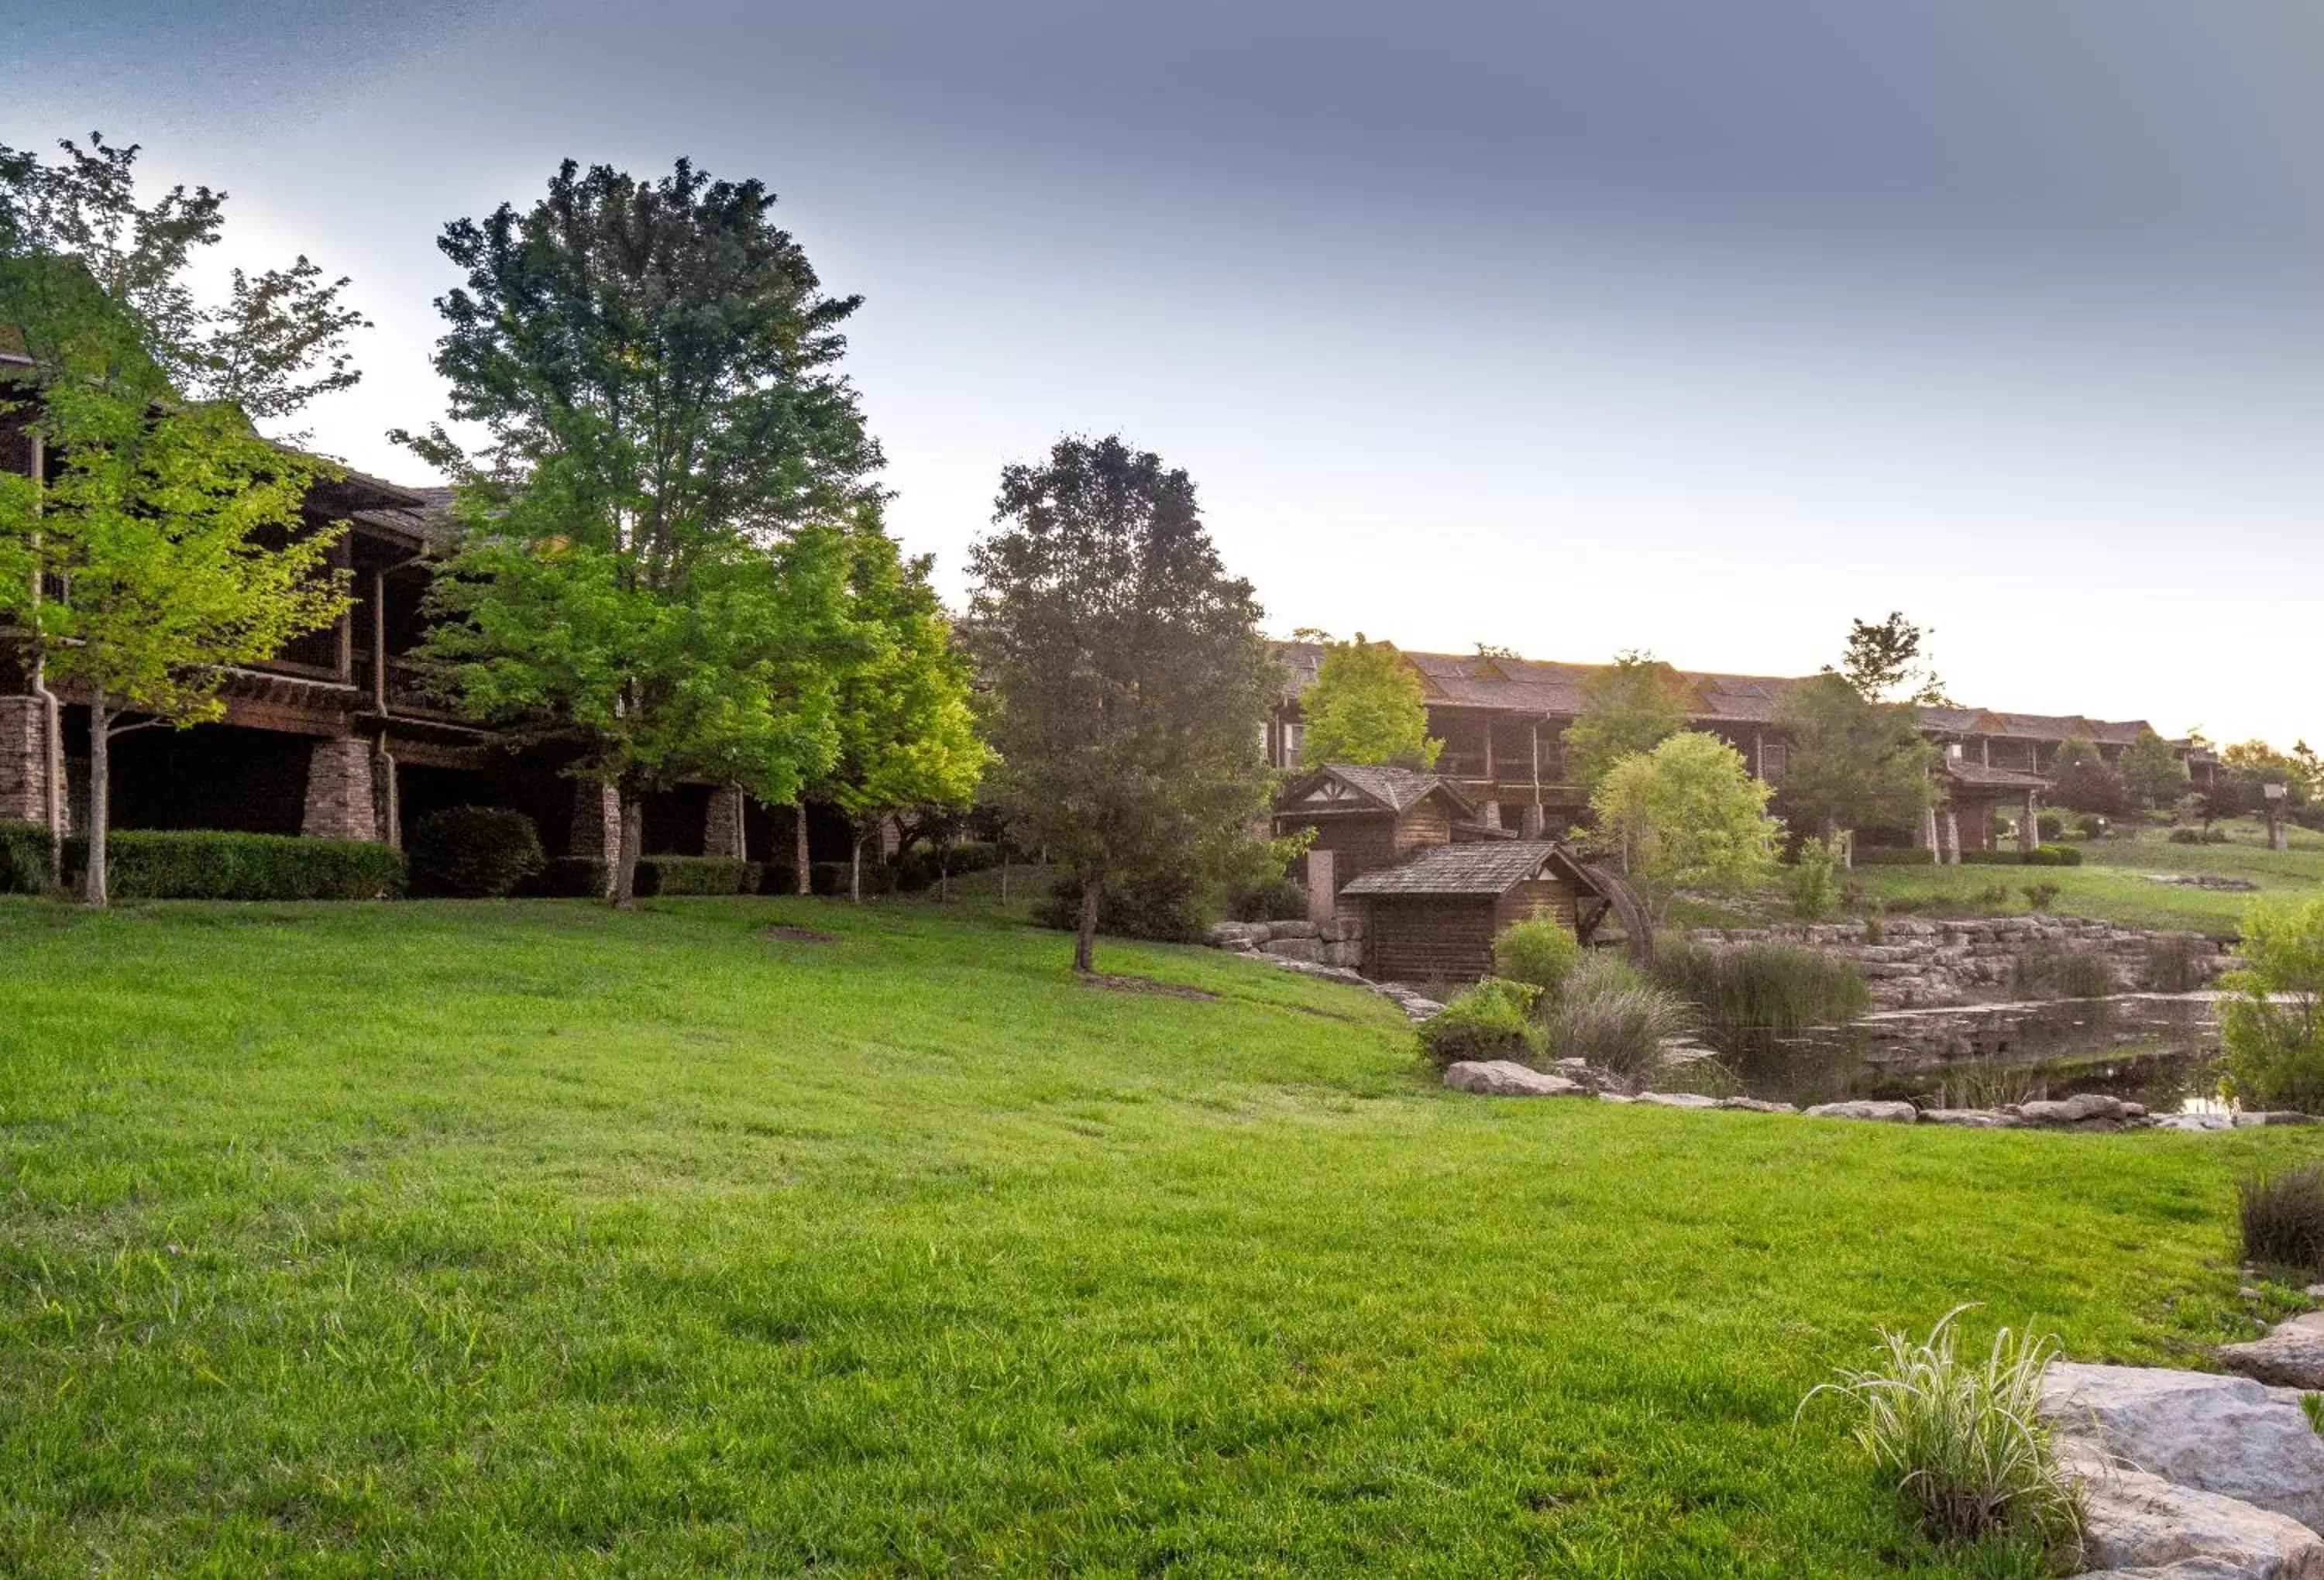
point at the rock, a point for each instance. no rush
(1505, 1077)
(1678, 1099)
(2137, 1524)
(1757, 1106)
(1293, 930)
(1343, 954)
(2195, 1122)
(2314, 1291)
(1294, 949)
(1972, 1118)
(2292, 1357)
(1888, 1113)
(2278, 1116)
(2226, 1435)
(2086, 1108)
(1237, 934)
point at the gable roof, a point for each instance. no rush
(1366, 788)
(1489, 868)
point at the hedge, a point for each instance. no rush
(26, 858)
(831, 877)
(571, 878)
(473, 853)
(697, 875)
(151, 864)
(1894, 856)
(2044, 856)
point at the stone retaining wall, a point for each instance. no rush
(1336, 942)
(1910, 963)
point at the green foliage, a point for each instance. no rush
(1967, 1443)
(1616, 1021)
(573, 877)
(1687, 815)
(1541, 950)
(2044, 969)
(2040, 855)
(1887, 663)
(698, 875)
(2087, 781)
(1130, 681)
(1629, 706)
(1813, 891)
(2281, 1216)
(1366, 706)
(473, 853)
(2273, 1019)
(1891, 856)
(27, 858)
(2039, 896)
(201, 865)
(1255, 876)
(1853, 763)
(844, 878)
(1756, 990)
(2153, 775)
(1157, 903)
(1491, 1020)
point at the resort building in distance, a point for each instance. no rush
(1503, 722)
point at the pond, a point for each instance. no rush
(2157, 1049)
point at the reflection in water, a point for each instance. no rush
(2156, 1049)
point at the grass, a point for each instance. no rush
(2282, 1217)
(1761, 990)
(528, 1238)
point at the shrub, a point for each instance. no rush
(2051, 825)
(1166, 908)
(1614, 1020)
(152, 864)
(1491, 1020)
(2054, 856)
(2282, 1217)
(2175, 964)
(2040, 896)
(1274, 899)
(698, 875)
(573, 877)
(1763, 988)
(1542, 950)
(777, 877)
(2273, 1020)
(1966, 1442)
(1892, 855)
(473, 853)
(1993, 894)
(1810, 882)
(27, 858)
(2057, 970)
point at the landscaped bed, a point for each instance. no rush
(487, 1239)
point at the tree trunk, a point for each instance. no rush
(1004, 872)
(944, 875)
(798, 845)
(625, 859)
(855, 868)
(100, 796)
(1085, 939)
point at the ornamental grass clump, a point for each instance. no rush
(1966, 1441)
(1766, 989)
(1610, 1018)
(2282, 1217)
(1491, 1020)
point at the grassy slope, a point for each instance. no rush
(534, 1239)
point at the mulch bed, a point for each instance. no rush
(797, 935)
(1147, 985)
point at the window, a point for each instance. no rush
(1773, 755)
(1294, 735)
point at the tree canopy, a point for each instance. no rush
(2153, 773)
(1128, 677)
(1629, 706)
(2084, 781)
(1853, 763)
(1367, 706)
(1687, 815)
(1887, 662)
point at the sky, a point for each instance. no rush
(1694, 327)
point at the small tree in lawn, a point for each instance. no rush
(1129, 680)
(653, 576)
(1366, 706)
(1687, 815)
(1629, 706)
(1854, 763)
(2153, 773)
(173, 528)
(2087, 781)
(906, 737)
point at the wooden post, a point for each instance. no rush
(343, 555)
(378, 640)
(1489, 753)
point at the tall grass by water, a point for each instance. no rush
(2281, 1216)
(2063, 970)
(1614, 1019)
(1761, 990)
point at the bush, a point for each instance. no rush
(2272, 1022)
(698, 875)
(152, 864)
(2056, 970)
(573, 877)
(2198, 836)
(1165, 907)
(834, 877)
(777, 877)
(27, 858)
(1491, 1020)
(1993, 894)
(1892, 855)
(2282, 1217)
(473, 853)
(1613, 1020)
(1275, 899)
(2054, 856)
(1762, 989)
(1966, 1441)
(2040, 896)
(1810, 881)
(2051, 825)
(1542, 952)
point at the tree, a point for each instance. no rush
(1887, 662)
(2086, 781)
(1854, 763)
(2153, 775)
(173, 529)
(1687, 815)
(1366, 706)
(2271, 1020)
(1631, 706)
(907, 738)
(657, 559)
(1128, 674)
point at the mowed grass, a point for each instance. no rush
(442, 1240)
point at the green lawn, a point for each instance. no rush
(434, 1240)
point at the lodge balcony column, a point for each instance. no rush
(2029, 827)
(721, 831)
(1924, 837)
(1952, 838)
(339, 800)
(24, 760)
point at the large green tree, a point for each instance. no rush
(658, 558)
(1631, 706)
(1366, 706)
(1687, 815)
(1887, 661)
(1853, 762)
(1128, 677)
(172, 528)
(2086, 781)
(2153, 773)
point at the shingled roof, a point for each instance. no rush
(1491, 868)
(1385, 788)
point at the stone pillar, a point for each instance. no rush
(1323, 887)
(722, 833)
(596, 821)
(1952, 838)
(24, 760)
(1924, 838)
(2029, 826)
(339, 804)
(384, 800)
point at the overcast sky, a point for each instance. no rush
(1697, 327)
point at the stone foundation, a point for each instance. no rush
(24, 760)
(1338, 940)
(1912, 964)
(339, 800)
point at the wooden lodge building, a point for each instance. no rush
(1503, 722)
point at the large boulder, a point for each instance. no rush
(1678, 1099)
(1306, 949)
(1505, 1077)
(1972, 1118)
(1888, 1113)
(2292, 1357)
(2138, 1525)
(2094, 1109)
(2226, 1435)
(1237, 934)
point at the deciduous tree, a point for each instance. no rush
(1129, 677)
(1631, 706)
(1889, 662)
(1687, 815)
(2086, 781)
(1366, 706)
(2153, 773)
(1853, 763)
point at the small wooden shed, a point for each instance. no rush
(1434, 918)
(1367, 818)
